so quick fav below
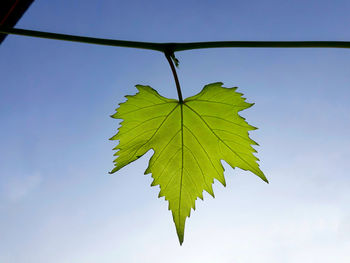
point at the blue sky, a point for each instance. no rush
(57, 202)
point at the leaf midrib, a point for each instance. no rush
(182, 158)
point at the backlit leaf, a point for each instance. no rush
(189, 141)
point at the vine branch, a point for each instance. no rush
(174, 47)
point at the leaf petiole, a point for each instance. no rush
(169, 56)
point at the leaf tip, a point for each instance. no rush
(112, 138)
(263, 177)
(214, 84)
(180, 237)
(114, 115)
(250, 104)
(211, 192)
(140, 87)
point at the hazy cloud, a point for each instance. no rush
(19, 187)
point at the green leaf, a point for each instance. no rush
(189, 141)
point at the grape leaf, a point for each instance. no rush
(189, 141)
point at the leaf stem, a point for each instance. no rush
(174, 47)
(168, 56)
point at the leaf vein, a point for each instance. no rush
(200, 117)
(167, 116)
(207, 154)
(150, 106)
